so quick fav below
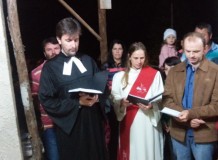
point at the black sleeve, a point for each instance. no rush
(61, 108)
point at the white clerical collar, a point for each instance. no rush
(67, 69)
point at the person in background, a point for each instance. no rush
(51, 48)
(116, 59)
(180, 51)
(192, 87)
(211, 48)
(115, 62)
(79, 118)
(140, 134)
(168, 48)
(169, 63)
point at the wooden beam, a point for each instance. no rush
(14, 29)
(103, 33)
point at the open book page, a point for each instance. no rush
(170, 112)
(135, 99)
(93, 84)
(85, 90)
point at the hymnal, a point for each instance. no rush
(90, 84)
(170, 112)
(135, 99)
(94, 91)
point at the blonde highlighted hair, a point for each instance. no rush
(133, 47)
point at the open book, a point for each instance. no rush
(94, 91)
(170, 112)
(135, 99)
(90, 84)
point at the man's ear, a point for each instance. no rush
(211, 36)
(59, 40)
(44, 54)
(206, 49)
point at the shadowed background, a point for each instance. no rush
(128, 20)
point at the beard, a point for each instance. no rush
(70, 52)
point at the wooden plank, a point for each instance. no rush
(103, 33)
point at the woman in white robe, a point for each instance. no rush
(140, 136)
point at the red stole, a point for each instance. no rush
(140, 88)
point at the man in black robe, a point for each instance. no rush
(79, 118)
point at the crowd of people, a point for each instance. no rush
(92, 124)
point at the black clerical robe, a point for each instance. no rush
(80, 131)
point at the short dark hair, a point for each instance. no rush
(204, 25)
(172, 61)
(51, 40)
(67, 26)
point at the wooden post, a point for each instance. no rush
(14, 28)
(103, 33)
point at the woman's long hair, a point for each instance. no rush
(133, 47)
(110, 59)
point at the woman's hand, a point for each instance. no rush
(125, 103)
(145, 107)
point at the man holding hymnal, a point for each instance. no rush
(192, 89)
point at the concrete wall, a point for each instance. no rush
(10, 147)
